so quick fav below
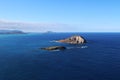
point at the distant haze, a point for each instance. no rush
(56, 27)
(36, 27)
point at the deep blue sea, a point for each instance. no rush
(21, 58)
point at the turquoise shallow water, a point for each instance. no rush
(21, 58)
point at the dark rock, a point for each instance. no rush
(54, 48)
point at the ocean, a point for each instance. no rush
(22, 59)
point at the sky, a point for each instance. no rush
(60, 15)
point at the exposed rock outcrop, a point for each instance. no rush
(54, 48)
(73, 40)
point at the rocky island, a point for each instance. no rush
(54, 48)
(73, 40)
(11, 32)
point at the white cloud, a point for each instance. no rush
(34, 27)
(56, 27)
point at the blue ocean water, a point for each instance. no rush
(21, 58)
